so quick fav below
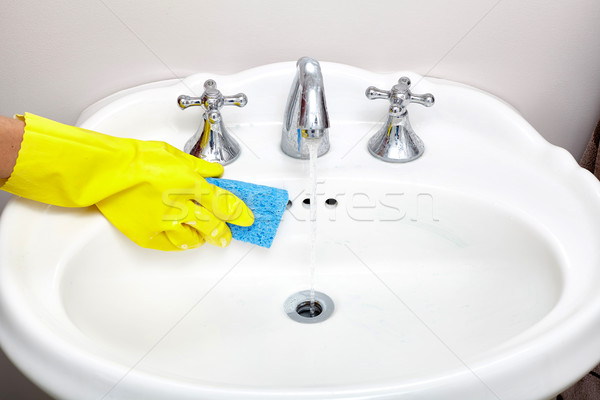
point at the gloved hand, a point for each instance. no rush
(153, 193)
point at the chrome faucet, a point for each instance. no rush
(305, 115)
(212, 142)
(396, 141)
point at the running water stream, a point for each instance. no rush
(313, 147)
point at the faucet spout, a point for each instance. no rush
(306, 114)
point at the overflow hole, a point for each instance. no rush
(306, 203)
(288, 205)
(331, 203)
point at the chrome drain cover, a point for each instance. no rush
(299, 308)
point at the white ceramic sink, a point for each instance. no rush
(471, 273)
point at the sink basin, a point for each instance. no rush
(469, 274)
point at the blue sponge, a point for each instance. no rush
(267, 203)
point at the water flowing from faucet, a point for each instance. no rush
(313, 147)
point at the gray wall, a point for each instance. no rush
(541, 56)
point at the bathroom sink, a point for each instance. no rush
(471, 273)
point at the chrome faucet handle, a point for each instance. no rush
(212, 142)
(212, 99)
(396, 141)
(400, 96)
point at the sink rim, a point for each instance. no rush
(531, 354)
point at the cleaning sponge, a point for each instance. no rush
(267, 203)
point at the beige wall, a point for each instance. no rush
(541, 56)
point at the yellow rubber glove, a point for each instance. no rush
(153, 193)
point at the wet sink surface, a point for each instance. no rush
(436, 291)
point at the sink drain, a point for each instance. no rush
(309, 309)
(300, 308)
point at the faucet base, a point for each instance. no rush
(396, 142)
(213, 143)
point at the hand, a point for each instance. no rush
(171, 206)
(153, 193)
